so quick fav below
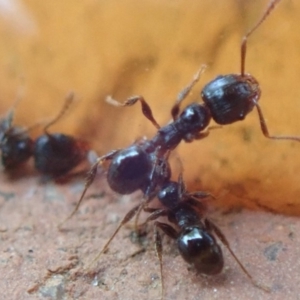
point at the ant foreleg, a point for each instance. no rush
(89, 180)
(125, 220)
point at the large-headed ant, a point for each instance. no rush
(144, 165)
(54, 154)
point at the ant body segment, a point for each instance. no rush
(56, 154)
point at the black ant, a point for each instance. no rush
(194, 233)
(54, 154)
(144, 165)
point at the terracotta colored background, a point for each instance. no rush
(153, 48)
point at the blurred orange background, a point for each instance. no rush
(153, 48)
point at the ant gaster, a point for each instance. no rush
(56, 154)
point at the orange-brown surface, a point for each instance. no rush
(153, 48)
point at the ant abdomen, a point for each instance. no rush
(129, 170)
(200, 249)
(16, 148)
(57, 154)
(231, 97)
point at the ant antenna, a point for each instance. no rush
(269, 9)
(185, 91)
(69, 100)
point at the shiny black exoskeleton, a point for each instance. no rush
(231, 97)
(56, 154)
(194, 233)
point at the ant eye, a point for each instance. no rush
(200, 249)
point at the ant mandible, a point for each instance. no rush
(54, 154)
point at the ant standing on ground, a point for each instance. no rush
(194, 233)
(54, 154)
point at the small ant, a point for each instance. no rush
(194, 233)
(144, 165)
(53, 154)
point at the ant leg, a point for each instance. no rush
(201, 135)
(89, 180)
(147, 112)
(158, 246)
(69, 100)
(171, 232)
(268, 10)
(265, 130)
(183, 93)
(150, 192)
(158, 251)
(125, 220)
(212, 227)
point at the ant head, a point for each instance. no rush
(199, 248)
(231, 97)
(57, 154)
